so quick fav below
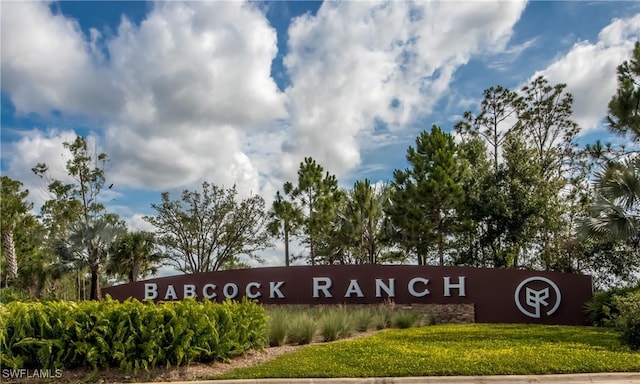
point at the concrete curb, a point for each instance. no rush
(582, 378)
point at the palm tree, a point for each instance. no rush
(615, 215)
(13, 210)
(88, 244)
(133, 256)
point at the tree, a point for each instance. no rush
(545, 120)
(13, 210)
(471, 229)
(530, 139)
(361, 221)
(88, 244)
(425, 197)
(285, 219)
(497, 118)
(615, 215)
(133, 256)
(545, 123)
(624, 107)
(318, 196)
(205, 230)
(77, 201)
(613, 221)
(35, 259)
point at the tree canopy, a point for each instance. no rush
(208, 229)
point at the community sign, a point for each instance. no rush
(498, 295)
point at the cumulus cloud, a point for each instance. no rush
(589, 70)
(355, 63)
(48, 66)
(197, 80)
(201, 62)
(181, 93)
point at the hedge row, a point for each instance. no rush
(130, 335)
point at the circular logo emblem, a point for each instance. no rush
(537, 294)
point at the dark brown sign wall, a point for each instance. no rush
(499, 295)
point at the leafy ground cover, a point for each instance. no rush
(470, 349)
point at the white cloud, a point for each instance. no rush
(191, 86)
(355, 62)
(48, 65)
(201, 62)
(138, 223)
(197, 82)
(589, 70)
(504, 60)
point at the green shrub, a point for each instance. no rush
(130, 335)
(601, 310)
(335, 324)
(10, 294)
(303, 329)
(628, 319)
(405, 318)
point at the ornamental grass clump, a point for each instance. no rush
(383, 315)
(278, 325)
(303, 329)
(335, 324)
(363, 319)
(405, 319)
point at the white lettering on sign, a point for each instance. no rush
(250, 293)
(171, 293)
(354, 287)
(322, 284)
(460, 286)
(389, 288)
(208, 291)
(412, 287)
(274, 290)
(230, 290)
(150, 291)
(189, 290)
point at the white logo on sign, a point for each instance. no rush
(537, 298)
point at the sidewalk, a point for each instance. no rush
(582, 378)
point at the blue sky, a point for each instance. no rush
(230, 92)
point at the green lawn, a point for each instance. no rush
(470, 349)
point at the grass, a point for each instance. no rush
(303, 329)
(277, 326)
(304, 325)
(469, 349)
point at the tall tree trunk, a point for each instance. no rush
(10, 251)
(95, 282)
(134, 272)
(313, 256)
(286, 245)
(78, 284)
(440, 238)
